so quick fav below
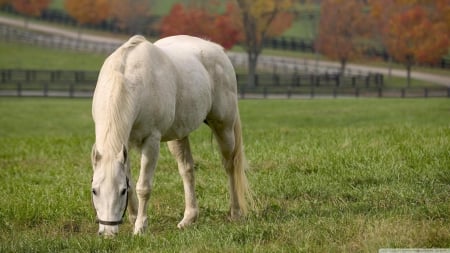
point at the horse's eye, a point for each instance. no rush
(94, 192)
(123, 192)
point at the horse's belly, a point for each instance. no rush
(182, 128)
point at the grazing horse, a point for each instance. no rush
(151, 93)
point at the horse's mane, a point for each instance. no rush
(115, 99)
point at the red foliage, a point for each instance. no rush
(413, 37)
(343, 24)
(30, 7)
(219, 28)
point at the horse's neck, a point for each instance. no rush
(113, 111)
(111, 141)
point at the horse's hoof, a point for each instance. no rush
(140, 226)
(235, 215)
(189, 218)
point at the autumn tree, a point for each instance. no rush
(88, 11)
(201, 22)
(411, 37)
(4, 2)
(414, 31)
(258, 18)
(30, 8)
(343, 24)
(131, 15)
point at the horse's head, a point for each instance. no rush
(110, 186)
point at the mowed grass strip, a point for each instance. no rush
(349, 175)
(23, 56)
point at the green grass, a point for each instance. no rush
(22, 56)
(350, 175)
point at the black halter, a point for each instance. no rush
(114, 223)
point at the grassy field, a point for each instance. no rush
(344, 175)
(22, 56)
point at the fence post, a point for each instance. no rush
(71, 90)
(276, 79)
(45, 89)
(380, 92)
(425, 92)
(403, 92)
(243, 92)
(19, 89)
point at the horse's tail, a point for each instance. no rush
(125, 48)
(243, 192)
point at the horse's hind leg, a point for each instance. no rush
(181, 150)
(229, 138)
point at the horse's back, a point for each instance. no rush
(218, 72)
(183, 48)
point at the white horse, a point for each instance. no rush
(150, 93)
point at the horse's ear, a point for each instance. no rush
(95, 156)
(123, 154)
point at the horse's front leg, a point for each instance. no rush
(149, 157)
(181, 150)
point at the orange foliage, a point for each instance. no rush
(130, 14)
(280, 23)
(412, 36)
(199, 22)
(262, 19)
(88, 11)
(413, 31)
(342, 24)
(30, 7)
(3, 2)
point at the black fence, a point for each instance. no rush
(47, 83)
(331, 85)
(307, 46)
(81, 84)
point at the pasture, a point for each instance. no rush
(347, 175)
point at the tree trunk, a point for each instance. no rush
(343, 65)
(252, 63)
(409, 63)
(408, 74)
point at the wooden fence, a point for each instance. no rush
(60, 83)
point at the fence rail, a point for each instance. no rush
(12, 34)
(81, 84)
